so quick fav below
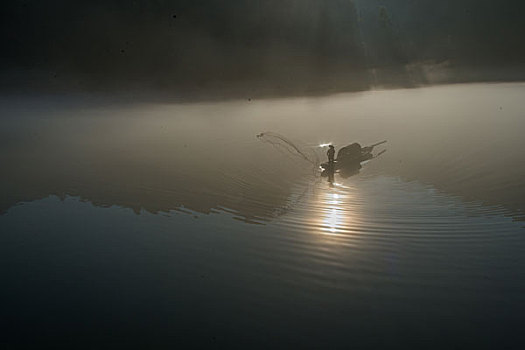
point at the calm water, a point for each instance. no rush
(156, 225)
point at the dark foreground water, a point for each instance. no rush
(153, 226)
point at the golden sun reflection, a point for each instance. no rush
(335, 215)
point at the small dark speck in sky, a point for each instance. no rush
(174, 16)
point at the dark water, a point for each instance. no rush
(157, 225)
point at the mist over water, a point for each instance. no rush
(166, 179)
(463, 139)
(161, 224)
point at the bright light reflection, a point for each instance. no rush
(336, 184)
(324, 145)
(334, 215)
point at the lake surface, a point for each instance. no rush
(131, 224)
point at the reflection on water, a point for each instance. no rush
(335, 217)
(399, 255)
(204, 157)
(392, 255)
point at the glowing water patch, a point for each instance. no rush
(334, 218)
